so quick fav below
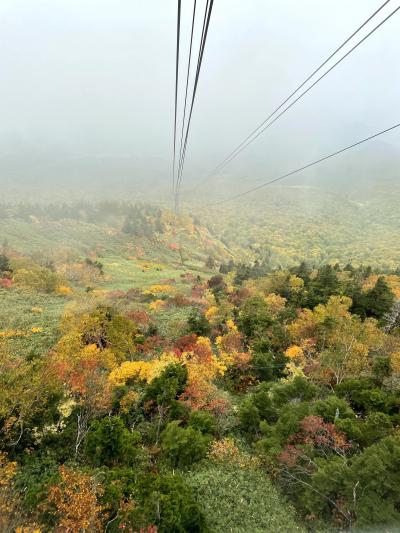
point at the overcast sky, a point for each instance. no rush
(96, 77)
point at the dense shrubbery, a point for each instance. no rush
(293, 374)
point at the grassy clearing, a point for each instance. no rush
(81, 237)
(128, 261)
(20, 311)
(122, 273)
(172, 321)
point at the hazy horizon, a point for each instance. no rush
(87, 91)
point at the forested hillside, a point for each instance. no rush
(154, 380)
(318, 224)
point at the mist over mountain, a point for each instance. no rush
(86, 95)
(199, 266)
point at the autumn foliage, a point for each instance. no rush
(74, 502)
(291, 373)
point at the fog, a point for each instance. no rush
(87, 91)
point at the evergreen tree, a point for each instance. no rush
(183, 446)
(4, 264)
(210, 263)
(198, 323)
(110, 443)
(166, 501)
(302, 271)
(223, 268)
(358, 298)
(323, 286)
(254, 318)
(379, 300)
(243, 272)
(166, 387)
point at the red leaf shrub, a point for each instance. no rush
(6, 283)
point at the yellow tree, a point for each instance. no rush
(74, 503)
(343, 344)
(7, 497)
(24, 386)
(94, 342)
(85, 377)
